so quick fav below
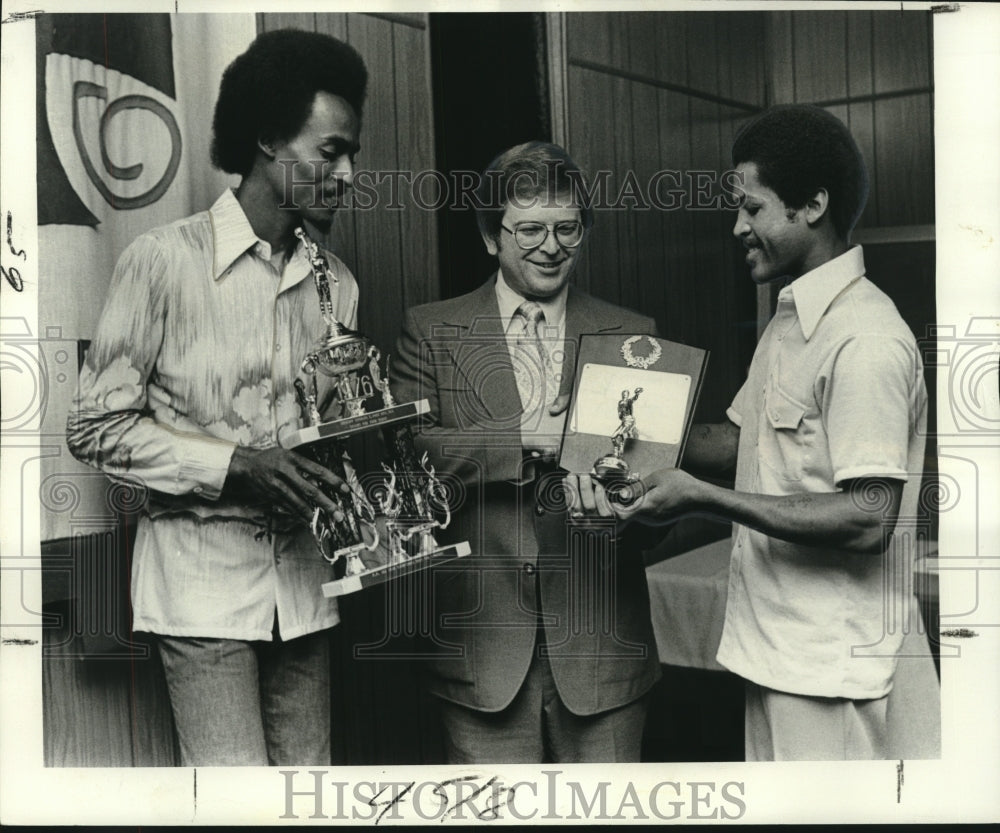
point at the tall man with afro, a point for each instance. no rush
(188, 389)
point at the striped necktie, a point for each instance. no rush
(531, 360)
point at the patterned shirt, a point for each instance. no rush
(196, 352)
(835, 392)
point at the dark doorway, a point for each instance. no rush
(490, 93)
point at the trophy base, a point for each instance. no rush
(610, 467)
(387, 572)
(355, 425)
(622, 485)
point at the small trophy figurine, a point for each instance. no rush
(612, 470)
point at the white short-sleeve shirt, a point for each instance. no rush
(835, 392)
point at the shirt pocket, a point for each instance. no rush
(784, 440)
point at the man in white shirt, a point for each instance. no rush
(827, 437)
(188, 388)
(544, 639)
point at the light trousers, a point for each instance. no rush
(794, 727)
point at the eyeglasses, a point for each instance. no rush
(569, 235)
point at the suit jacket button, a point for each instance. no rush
(529, 569)
(539, 509)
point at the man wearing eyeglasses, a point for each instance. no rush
(543, 648)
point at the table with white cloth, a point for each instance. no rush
(688, 604)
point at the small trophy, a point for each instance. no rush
(411, 500)
(659, 381)
(612, 470)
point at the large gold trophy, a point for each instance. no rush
(387, 529)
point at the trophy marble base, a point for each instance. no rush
(387, 572)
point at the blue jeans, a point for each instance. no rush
(239, 703)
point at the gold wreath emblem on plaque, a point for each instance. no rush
(644, 362)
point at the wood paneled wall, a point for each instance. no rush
(650, 92)
(103, 711)
(874, 71)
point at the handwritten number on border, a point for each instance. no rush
(12, 275)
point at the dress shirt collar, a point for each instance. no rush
(509, 300)
(813, 293)
(233, 236)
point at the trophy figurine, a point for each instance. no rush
(411, 499)
(612, 470)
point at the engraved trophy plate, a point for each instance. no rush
(388, 525)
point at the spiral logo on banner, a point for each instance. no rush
(109, 138)
(131, 173)
(117, 139)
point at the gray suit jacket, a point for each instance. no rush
(594, 604)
